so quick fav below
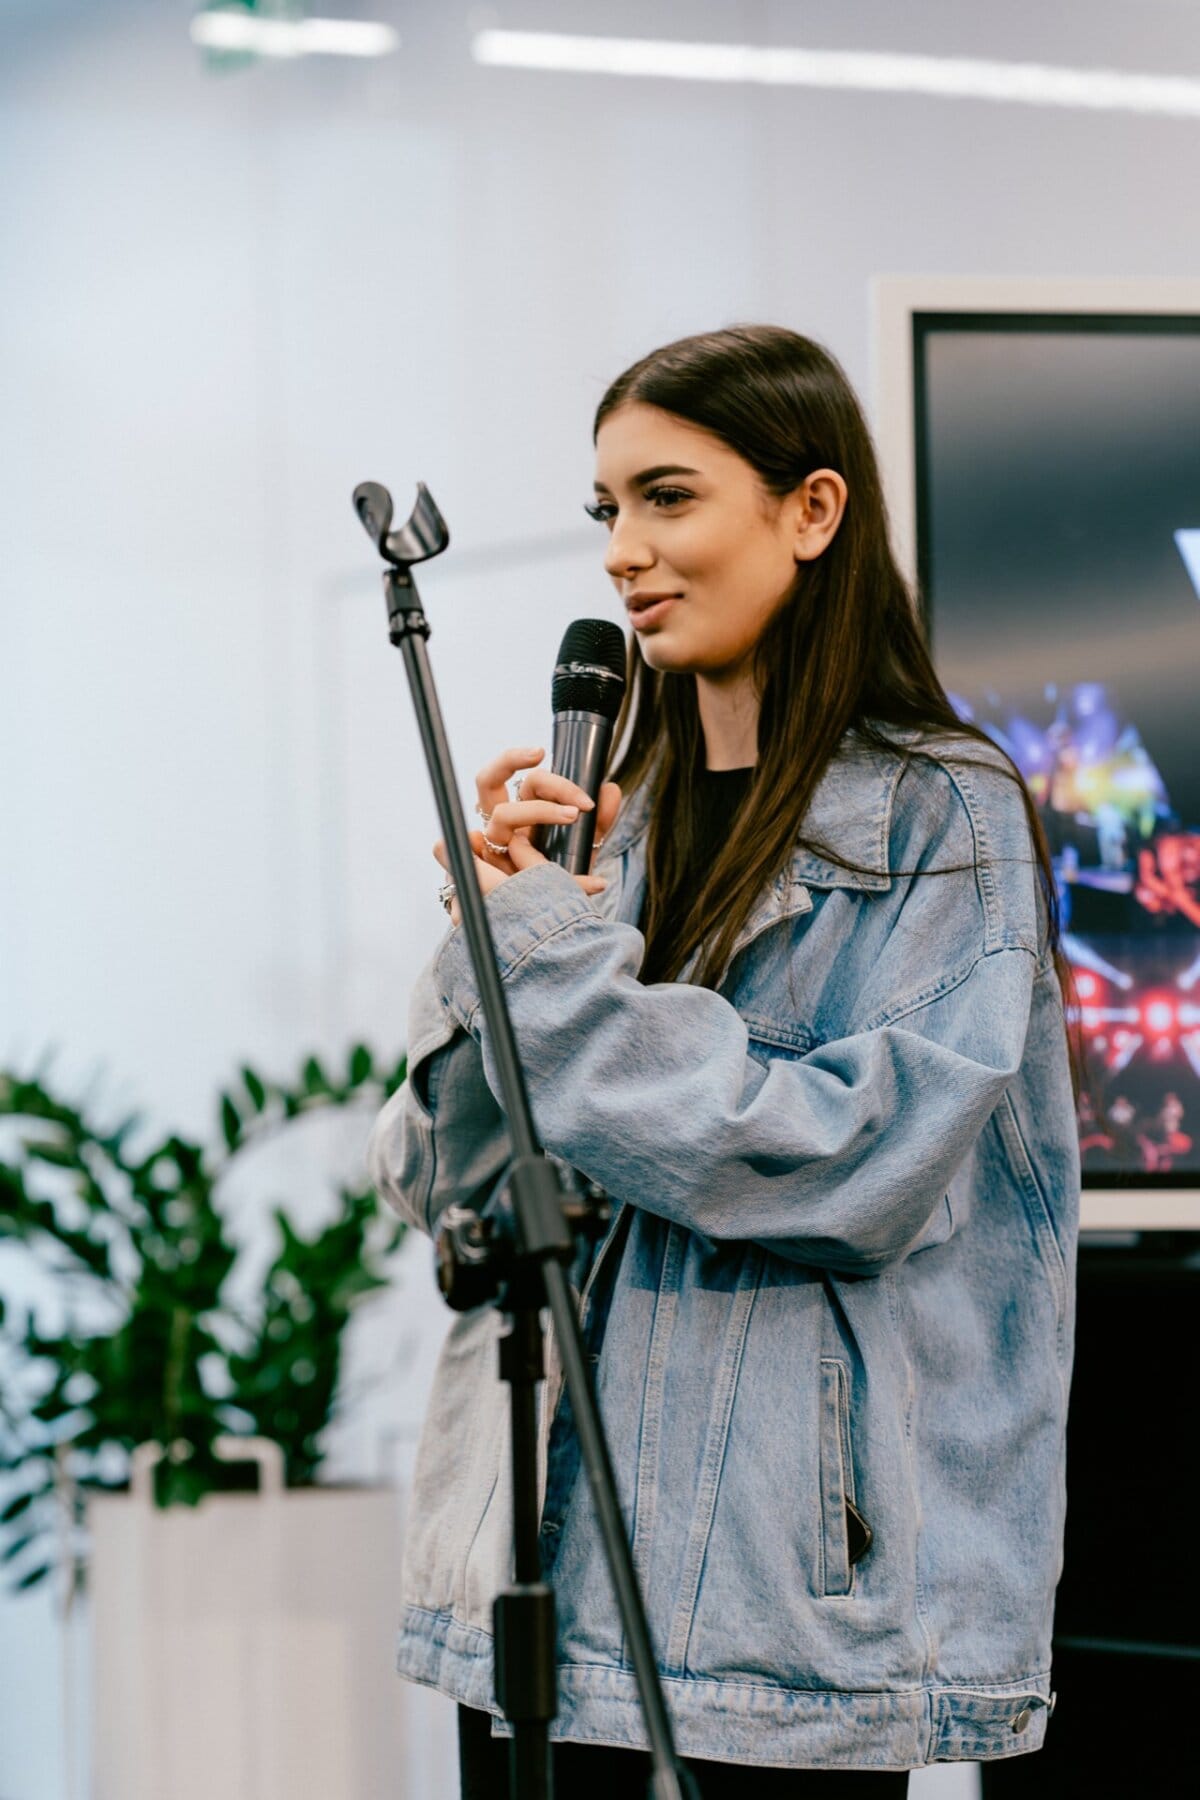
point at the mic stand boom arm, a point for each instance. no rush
(524, 1613)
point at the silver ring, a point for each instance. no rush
(486, 817)
(446, 893)
(514, 788)
(496, 849)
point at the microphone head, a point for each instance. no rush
(590, 673)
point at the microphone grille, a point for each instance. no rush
(590, 673)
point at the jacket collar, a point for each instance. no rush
(850, 811)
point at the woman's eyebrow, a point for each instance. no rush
(651, 475)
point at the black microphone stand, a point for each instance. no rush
(531, 1270)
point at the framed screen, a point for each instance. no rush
(1052, 487)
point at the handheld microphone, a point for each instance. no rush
(586, 695)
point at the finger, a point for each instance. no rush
(524, 854)
(606, 813)
(486, 873)
(498, 858)
(526, 857)
(544, 784)
(511, 816)
(608, 808)
(491, 782)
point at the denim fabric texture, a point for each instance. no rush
(840, 1270)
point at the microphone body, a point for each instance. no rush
(586, 696)
(581, 744)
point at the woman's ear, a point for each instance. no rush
(821, 501)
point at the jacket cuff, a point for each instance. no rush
(523, 912)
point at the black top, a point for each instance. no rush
(716, 800)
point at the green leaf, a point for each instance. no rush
(11, 1551)
(315, 1079)
(21, 1504)
(52, 1408)
(62, 1156)
(360, 1065)
(33, 1577)
(231, 1122)
(255, 1088)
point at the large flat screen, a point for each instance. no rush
(1056, 486)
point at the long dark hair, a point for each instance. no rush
(851, 657)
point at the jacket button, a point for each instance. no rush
(1021, 1719)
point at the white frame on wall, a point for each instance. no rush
(893, 301)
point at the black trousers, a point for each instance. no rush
(598, 1772)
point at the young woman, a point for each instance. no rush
(804, 1022)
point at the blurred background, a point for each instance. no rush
(236, 281)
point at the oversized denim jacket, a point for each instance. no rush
(840, 1268)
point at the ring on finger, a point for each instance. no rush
(496, 849)
(485, 816)
(515, 786)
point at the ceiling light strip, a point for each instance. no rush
(1032, 84)
(235, 30)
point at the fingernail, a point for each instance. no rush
(587, 802)
(569, 812)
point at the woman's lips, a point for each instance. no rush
(649, 613)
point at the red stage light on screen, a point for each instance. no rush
(1087, 987)
(1159, 1016)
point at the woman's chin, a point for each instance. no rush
(676, 659)
(668, 658)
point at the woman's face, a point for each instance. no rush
(702, 556)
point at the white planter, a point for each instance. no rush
(244, 1648)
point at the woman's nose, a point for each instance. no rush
(626, 553)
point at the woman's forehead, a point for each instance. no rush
(637, 437)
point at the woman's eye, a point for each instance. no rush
(604, 511)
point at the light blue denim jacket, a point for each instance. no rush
(840, 1268)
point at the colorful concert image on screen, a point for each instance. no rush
(1059, 484)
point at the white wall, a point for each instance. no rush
(225, 299)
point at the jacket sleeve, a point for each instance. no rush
(838, 1157)
(441, 1137)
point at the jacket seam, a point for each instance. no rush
(935, 991)
(435, 1083)
(695, 1552)
(587, 919)
(1000, 1690)
(645, 1502)
(1017, 1156)
(920, 1598)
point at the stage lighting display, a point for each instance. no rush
(1058, 492)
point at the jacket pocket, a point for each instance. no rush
(845, 1536)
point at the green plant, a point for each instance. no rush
(138, 1249)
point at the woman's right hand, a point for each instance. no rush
(542, 798)
(504, 846)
